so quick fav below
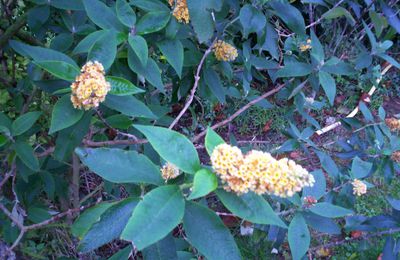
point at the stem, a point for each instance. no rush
(12, 30)
(237, 113)
(194, 88)
(75, 181)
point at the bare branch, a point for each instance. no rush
(244, 108)
(194, 88)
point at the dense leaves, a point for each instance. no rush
(155, 216)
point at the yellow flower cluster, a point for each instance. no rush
(258, 172)
(359, 187)
(224, 51)
(90, 87)
(396, 156)
(305, 47)
(393, 124)
(169, 171)
(181, 11)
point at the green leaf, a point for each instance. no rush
(122, 254)
(110, 225)
(64, 115)
(25, 153)
(102, 15)
(360, 169)
(40, 54)
(5, 120)
(128, 105)
(201, 19)
(86, 43)
(328, 164)
(338, 12)
(251, 207)
(69, 138)
(173, 51)
(319, 187)
(125, 13)
(151, 71)
(329, 85)
(120, 166)
(213, 81)
(139, 46)
(338, 67)
(162, 250)
(160, 211)
(104, 50)
(119, 121)
(294, 69)
(290, 15)
(317, 51)
(328, 210)
(393, 202)
(62, 42)
(150, 5)
(122, 87)
(90, 216)
(152, 22)
(59, 69)
(212, 140)
(24, 122)
(299, 237)
(252, 20)
(208, 234)
(172, 147)
(67, 4)
(379, 21)
(204, 182)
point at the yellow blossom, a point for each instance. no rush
(359, 187)
(169, 171)
(224, 51)
(258, 172)
(226, 161)
(305, 47)
(180, 11)
(393, 124)
(90, 87)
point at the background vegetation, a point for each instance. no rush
(313, 81)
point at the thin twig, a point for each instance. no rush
(75, 180)
(11, 217)
(194, 88)
(240, 111)
(351, 239)
(7, 176)
(12, 30)
(355, 110)
(114, 142)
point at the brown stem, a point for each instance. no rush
(194, 88)
(12, 30)
(114, 142)
(75, 181)
(244, 108)
(351, 239)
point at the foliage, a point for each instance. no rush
(104, 106)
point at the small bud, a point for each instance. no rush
(169, 171)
